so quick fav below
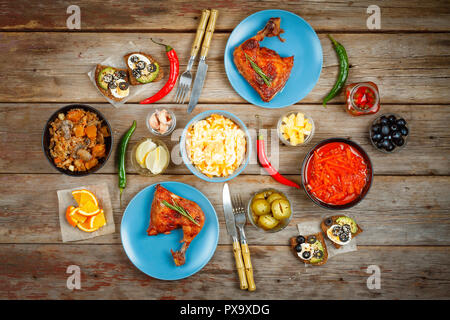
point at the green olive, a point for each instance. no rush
(260, 207)
(273, 197)
(281, 209)
(267, 193)
(255, 218)
(259, 196)
(267, 222)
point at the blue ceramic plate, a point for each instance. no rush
(301, 42)
(151, 254)
(188, 162)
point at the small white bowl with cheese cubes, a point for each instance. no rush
(295, 128)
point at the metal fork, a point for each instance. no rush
(184, 83)
(240, 219)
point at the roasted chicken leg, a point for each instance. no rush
(276, 68)
(164, 220)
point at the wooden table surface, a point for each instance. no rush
(405, 216)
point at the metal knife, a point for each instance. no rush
(202, 66)
(231, 228)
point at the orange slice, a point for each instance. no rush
(69, 218)
(87, 202)
(86, 226)
(83, 195)
(98, 220)
(89, 209)
(93, 223)
(73, 217)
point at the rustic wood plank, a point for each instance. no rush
(427, 151)
(415, 70)
(397, 210)
(39, 272)
(181, 15)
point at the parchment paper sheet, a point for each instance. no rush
(66, 199)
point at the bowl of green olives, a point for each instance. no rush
(269, 210)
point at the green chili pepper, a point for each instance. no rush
(122, 154)
(343, 71)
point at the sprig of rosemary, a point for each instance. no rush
(258, 70)
(180, 210)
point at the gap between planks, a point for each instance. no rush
(75, 243)
(222, 31)
(334, 104)
(247, 174)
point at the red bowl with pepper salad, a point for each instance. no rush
(337, 173)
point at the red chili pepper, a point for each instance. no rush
(268, 166)
(173, 76)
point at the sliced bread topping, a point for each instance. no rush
(339, 234)
(112, 82)
(340, 229)
(309, 249)
(121, 89)
(142, 68)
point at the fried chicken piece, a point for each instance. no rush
(276, 68)
(164, 220)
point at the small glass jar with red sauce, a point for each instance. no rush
(362, 98)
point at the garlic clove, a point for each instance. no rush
(154, 122)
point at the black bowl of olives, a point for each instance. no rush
(389, 133)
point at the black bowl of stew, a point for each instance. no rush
(107, 140)
(337, 174)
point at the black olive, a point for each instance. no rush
(328, 221)
(151, 68)
(399, 142)
(116, 76)
(306, 255)
(394, 127)
(336, 230)
(385, 130)
(318, 254)
(311, 239)
(383, 120)
(346, 228)
(401, 122)
(134, 59)
(107, 78)
(404, 131)
(298, 248)
(386, 143)
(122, 74)
(396, 135)
(343, 237)
(112, 85)
(300, 239)
(141, 65)
(136, 73)
(123, 85)
(389, 137)
(376, 137)
(380, 144)
(390, 147)
(376, 128)
(392, 118)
